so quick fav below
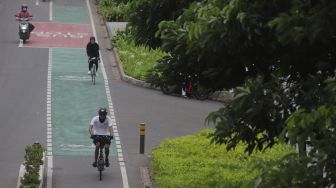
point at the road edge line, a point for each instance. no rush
(121, 160)
(49, 123)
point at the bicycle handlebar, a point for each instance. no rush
(101, 136)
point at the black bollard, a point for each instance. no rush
(142, 138)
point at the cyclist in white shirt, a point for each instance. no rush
(101, 125)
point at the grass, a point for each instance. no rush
(113, 10)
(136, 60)
(192, 162)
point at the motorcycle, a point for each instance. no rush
(24, 30)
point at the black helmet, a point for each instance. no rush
(92, 38)
(24, 7)
(102, 112)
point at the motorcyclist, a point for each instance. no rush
(25, 14)
(101, 125)
(92, 51)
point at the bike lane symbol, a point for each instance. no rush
(55, 34)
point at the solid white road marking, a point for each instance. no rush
(49, 170)
(107, 90)
(50, 10)
(37, 3)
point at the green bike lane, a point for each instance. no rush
(74, 101)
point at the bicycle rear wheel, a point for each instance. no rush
(100, 174)
(201, 93)
(93, 74)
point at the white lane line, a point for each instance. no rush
(49, 125)
(37, 3)
(107, 90)
(50, 10)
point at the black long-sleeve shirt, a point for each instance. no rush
(92, 50)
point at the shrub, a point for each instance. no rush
(136, 60)
(33, 160)
(113, 10)
(192, 161)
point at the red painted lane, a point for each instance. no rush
(59, 35)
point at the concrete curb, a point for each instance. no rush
(23, 171)
(127, 78)
(146, 177)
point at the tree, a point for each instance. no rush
(317, 168)
(223, 38)
(145, 15)
(265, 42)
(279, 56)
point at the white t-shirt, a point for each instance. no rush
(101, 128)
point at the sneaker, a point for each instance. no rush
(89, 72)
(94, 164)
(107, 163)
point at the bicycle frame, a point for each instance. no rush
(101, 160)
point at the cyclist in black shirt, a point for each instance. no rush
(92, 51)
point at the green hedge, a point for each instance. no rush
(191, 161)
(136, 60)
(33, 160)
(113, 10)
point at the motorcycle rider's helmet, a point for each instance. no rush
(24, 7)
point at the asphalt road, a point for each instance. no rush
(23, 83)
(23, 86)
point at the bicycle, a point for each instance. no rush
(93, 70)
(101, 158)
(190, 87)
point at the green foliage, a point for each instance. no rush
(191, 161)
(280, 56)
(33, 160)
(113, 10)
(256, 116)
(289, 172)
(316, 168)
(233, 40)
(145, 16)
(317, 125)
(221, 39)
(136, 60)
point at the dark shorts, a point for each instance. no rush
(103, 140)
